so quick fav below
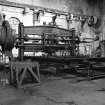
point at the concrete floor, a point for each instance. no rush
(56, 90)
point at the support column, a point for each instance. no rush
(21, 36)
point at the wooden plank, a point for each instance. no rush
(34, 75)
(30, 85)
(22, 77)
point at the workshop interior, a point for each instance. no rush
(40, 38)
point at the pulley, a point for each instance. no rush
(92, 21)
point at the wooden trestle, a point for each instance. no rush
(24, 74)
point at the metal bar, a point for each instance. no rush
(34, 44)
(11, 4)
(31, 30)
(48, 39)
(28, 45)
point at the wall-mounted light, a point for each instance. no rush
(41, 12)
(68, 17)
(36, 14)
(25, 11)
(54, 18)
(83, 21)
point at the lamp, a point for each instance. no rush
(26, 10)
(36, 14)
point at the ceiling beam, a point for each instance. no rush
(32, 7)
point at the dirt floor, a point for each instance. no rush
(56, 90)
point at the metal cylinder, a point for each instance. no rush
(7, 38)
